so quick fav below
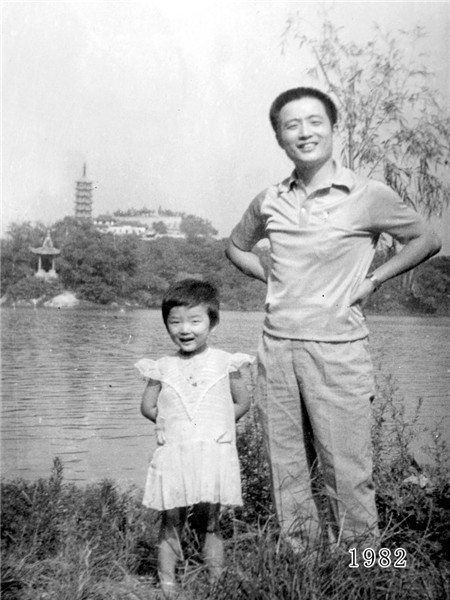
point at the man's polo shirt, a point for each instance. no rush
(321, 248)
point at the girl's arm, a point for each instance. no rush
(149, 400)
(240, 395)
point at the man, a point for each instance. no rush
(315, 377)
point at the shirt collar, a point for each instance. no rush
(342, 177)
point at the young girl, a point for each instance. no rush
(194, 397)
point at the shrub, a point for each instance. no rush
(34, 287)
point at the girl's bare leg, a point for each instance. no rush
(170, 547)
(213, 552)
(214, 555)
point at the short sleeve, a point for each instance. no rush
(389, 214)
(149, 369)
(251, 228)
(239, 360)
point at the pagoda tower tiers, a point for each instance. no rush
(83, 197)
(47, 254)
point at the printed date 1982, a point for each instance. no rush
(383, 558)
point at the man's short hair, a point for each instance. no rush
(190, 293)
(296, 94)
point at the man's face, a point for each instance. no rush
(305, 133)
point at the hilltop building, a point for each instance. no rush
(47, 254)
(145, 223)
(83, 197)
(145, 227)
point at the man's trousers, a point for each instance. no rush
(314, 400)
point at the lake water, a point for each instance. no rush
(69, 388)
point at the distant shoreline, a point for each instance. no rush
(86, 305)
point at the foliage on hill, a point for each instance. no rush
(103, 268)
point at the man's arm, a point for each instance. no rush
(247, 262)
(421, 246)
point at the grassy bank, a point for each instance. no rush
(63, 542)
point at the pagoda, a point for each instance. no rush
(83, 197)
(47, 254)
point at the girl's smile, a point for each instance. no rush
(189, 328)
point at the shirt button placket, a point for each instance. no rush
(303, 213)
(303, 216)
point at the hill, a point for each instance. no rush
(105, 269)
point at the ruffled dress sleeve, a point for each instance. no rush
(149, 369)
(238, 360)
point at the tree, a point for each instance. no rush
(193, 226)
(34, 288)
(17, 260)
(392, 124)
(160, 227)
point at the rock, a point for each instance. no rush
(22, 302)
(64, 300)
(419, 480)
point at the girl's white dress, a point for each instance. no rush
(198, 461)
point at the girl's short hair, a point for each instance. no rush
(192, 292)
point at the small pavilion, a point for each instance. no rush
(47, 254)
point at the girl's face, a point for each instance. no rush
(189, 328)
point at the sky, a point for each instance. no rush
(166, 101)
